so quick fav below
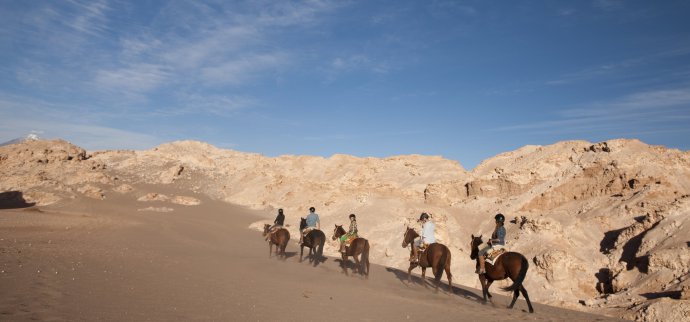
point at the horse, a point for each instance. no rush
(436, 256)
(279, 238)
(358, 247)
(511, 265)
(314, 240)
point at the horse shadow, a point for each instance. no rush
(14, 200)
(429, 282)
(289, 255)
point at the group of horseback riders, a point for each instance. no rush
(427, 236)
(425, 251)
(314, 222)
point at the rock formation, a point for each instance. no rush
(606, 226)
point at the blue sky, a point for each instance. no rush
(462, 79)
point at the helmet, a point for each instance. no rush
(423, 216)
(353, 216)
(500, 218)
(280, 210)
(312, 209)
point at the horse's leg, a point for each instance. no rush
(516, 293)
(343, 260)
(450, 278)
(524, 293)
(301, 252)
(482, 281)
(270, 249)
(488, 284)
(424, 275)
(409, 272)
(357, 267)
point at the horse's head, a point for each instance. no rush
(474, 246)
(409, 236)
(338, 231)
(266, 229)
(302, 223)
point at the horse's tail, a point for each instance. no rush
(365, 258)
(524, 265)
(442, 263)
(286, 239)
(319, 248)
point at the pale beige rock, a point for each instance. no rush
(579, 208)
(185, 200)
(152, 196)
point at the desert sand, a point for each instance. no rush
(604, 227)
(93, 260)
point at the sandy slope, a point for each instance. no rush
(104, 260)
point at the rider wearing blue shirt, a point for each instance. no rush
(313, 222)
(497, 241)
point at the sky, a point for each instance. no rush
(462, 79)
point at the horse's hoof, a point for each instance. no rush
(531, 310)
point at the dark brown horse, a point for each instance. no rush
(436, 256)
(280, 238)
(359, 246)
(314, 240)
(509, 265)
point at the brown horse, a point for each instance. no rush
(314, 240)
(436, 256)
(280, 238)
(359, 246)
(509, 265)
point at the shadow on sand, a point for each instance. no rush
(13, 200)
(402, 276)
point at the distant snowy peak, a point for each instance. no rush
(29, 137)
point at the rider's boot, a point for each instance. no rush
(482, 265)
(342, 247)
(415, 257)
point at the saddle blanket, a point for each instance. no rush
(492, 256)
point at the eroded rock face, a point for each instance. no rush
(601, 223)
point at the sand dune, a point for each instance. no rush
(93, 260)
(604, 225)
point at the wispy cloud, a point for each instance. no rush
(90, 17)
(243, 68)
(135, 79)
(637, 113)
(608, 5)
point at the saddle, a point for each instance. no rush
(493, 255)
(306, 231)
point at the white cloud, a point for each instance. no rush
(243, 68)
(636, 113)
(139, 78)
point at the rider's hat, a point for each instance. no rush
(500, 218)
(423, 216)
(312, 209)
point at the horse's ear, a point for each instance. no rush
(472, 236)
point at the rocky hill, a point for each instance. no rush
(606, 226)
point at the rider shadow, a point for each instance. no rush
(402, 276)
(289, 255)
(13, 200)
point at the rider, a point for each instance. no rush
(278, 223)
(351, 234)
(427, 236)
(313, 222)
(497, 241)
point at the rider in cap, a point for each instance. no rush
(278, 222)
(427, 236)
(497, 241)
(351, 233)
(313, 222)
